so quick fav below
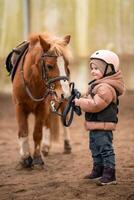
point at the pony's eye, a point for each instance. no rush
(50, 67)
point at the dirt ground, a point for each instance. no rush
(62, 176)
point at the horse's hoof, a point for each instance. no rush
(38, 162)
(27, 162)
(67, 147)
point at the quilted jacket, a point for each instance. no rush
(104, 91)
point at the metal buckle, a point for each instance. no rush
(52, 104)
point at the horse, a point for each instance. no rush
(42, 75)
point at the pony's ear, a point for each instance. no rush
(45, 45)
(66, 39)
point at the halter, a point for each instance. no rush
(48, 82)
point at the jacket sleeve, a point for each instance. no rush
(102, 98)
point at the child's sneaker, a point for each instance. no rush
(108, 177)
(96, 173)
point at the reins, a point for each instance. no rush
(68, 113)
(70, 107)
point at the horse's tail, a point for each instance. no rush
(54, 127)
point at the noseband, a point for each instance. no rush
(48, 82)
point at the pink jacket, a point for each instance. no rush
(104, 93)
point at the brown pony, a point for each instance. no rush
(42, 75)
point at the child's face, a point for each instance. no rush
(95, 72)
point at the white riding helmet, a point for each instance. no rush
(107, 56)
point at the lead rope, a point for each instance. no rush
(70, 108)
(68, 113)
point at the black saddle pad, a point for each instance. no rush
(14, 57)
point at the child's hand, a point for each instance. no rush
(76, 101)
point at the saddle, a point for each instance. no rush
(14, 57)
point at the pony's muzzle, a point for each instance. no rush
(66, 95)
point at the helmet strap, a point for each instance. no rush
(110, 73)
(105, 72)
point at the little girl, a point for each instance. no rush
(101, 108)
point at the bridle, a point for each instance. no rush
(49, 83)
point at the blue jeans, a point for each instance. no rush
(101, 148)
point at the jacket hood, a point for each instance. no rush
(115, 80)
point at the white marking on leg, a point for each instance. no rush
(64, 83)
(45, 139)
(66, 134)
(24, 146)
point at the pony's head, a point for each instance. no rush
(53, 60)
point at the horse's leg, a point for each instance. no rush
(46, 140)
(37, 137)
(67, 143)
(50, 131)
(22, 116)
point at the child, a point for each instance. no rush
(101, 108)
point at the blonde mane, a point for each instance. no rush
(57, 44)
